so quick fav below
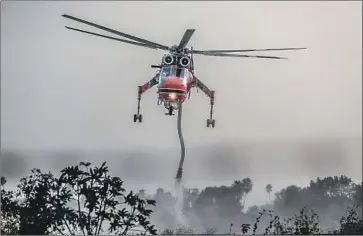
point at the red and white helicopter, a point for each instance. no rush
(175, 76)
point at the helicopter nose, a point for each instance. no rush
(173, 82)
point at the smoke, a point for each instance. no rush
(278, 163)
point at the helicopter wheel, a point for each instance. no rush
(211, 122)
(137, 117)
(170, 111)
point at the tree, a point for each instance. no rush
(9, 211)
(217, 206)
(3, 180)
(247, 188)
(304, 223)
(242, 189)
(221, 205)
(329, 196)
(83, 200)
(336, 188)
(290, 199)
(36, 210)
(269, 190)
(351, 222)
(358, 194)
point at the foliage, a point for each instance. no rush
(181, 230)
(83, 200)
(350, 223)
(9, 211)
(268, 189)
(87, 200)
(301, 224)
(358, 194)
(319, 194)
(186, 230)
(305, 223)
(212, 202)
(216, 205)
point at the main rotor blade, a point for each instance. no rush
(113, 38)
(238, 55)
(246, 50)
(160, 46)
(186, 37)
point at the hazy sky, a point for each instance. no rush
(63, 89)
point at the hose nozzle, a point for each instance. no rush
(179, 174)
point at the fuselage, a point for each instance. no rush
(173, 83)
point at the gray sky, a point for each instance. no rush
(65, 90)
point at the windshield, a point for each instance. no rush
(172, 71)
(180, 72)
(166, 72)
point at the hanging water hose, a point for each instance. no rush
(179, 173)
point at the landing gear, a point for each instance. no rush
(138, 116)
(169, 106)
(211, 121)
(171, 109)
(159, 101)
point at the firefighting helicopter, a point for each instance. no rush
(175, 76)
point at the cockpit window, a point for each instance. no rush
(180, 72)
(172, 73)
(166, 72)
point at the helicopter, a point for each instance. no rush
(175, 76)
